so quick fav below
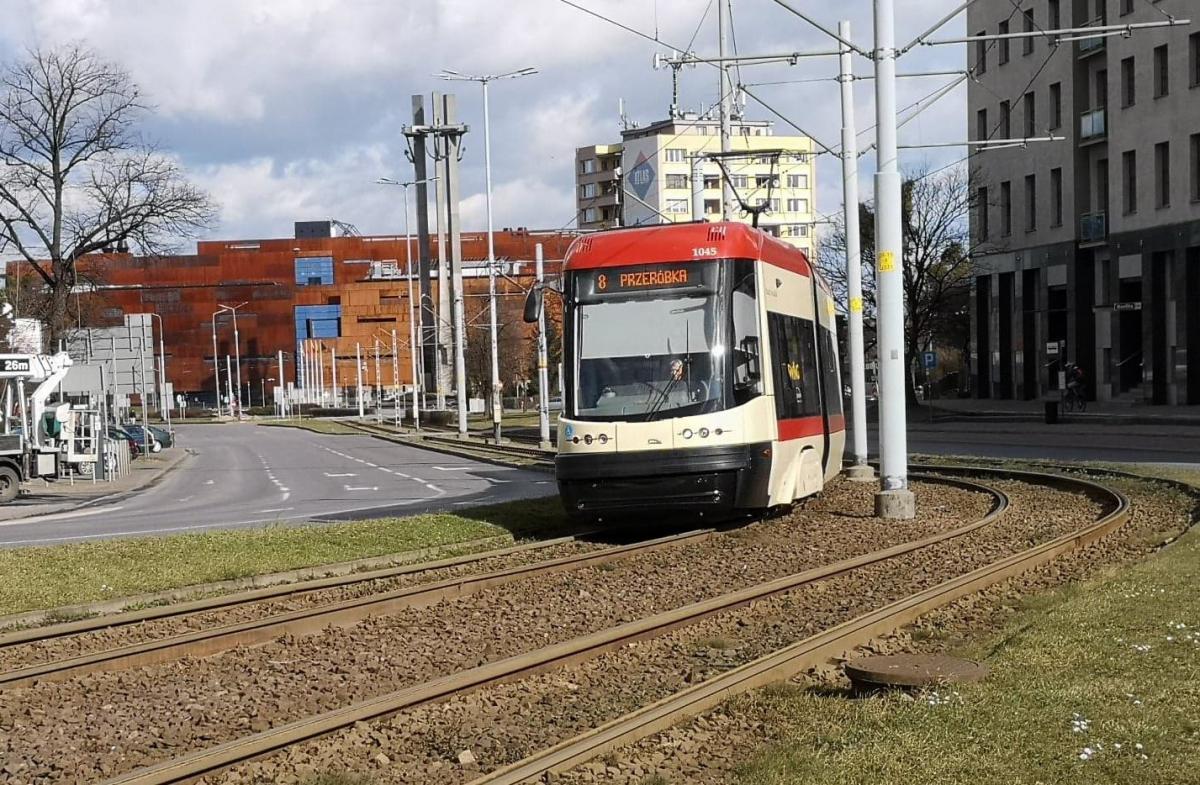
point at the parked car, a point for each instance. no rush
(120, 434)
(143, 436)
(164, 437)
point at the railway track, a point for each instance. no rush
(207, 761)
(213, 640)
(517, 449)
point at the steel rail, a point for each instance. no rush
(293, 589)
(197, 764)
(454, 445)
(822, 647)
(308, 621)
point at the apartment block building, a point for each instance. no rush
(1088, 249)
(647, 177)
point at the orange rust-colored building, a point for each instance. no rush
(344, 291)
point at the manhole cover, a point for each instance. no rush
(912, 670)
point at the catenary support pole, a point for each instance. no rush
(860, 469)
(542, 363)
(378, 391)
(358, 384)
(415, 349)
(894, 499)
(454, 235)
(216, 366)
(397, 399)
(337, 398)
(724, 94)
(493, 327)
(229, 382)
(282, 383)
(698, 187)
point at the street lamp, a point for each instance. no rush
(164, 406)
(417, 374)
(263, 380)
(484, 80)
(216, 361)
(237, 349)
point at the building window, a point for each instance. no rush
(797, 181)
(677, 181)
(314, 271)
(590, 215)
(1162, 174)
(1030, 115)
(1055, 15)
(981, 48)
(797, 205)
(1194, 60)
(1005, 208)
(981, 126)
(1129, 180)
(588, 190)
(677, 206)
(1056, 197)
(1126, 7)
(739, 180)
(765, 180)
(1162, 84)
(981, 211)
(1195, 167)
(1030, 203)
(1005, 120)
(1056, 105)
(1004, 42)
(795, 230)
(712, 181)
(1027, 43)
(1128, 83)
(676, 155)
(712, 206)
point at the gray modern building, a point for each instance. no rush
(1088, 249)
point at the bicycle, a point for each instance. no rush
(1073, 401)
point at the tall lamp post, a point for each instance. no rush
(484, 80)
(164, 406)
(216, 362)
(415, 350)
(237, 349)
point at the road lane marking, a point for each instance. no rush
(343, 474)
(454, 468)
(50, 516)
(278, 509)
(361, 487)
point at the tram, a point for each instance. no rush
(701, 373)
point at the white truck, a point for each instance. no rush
(28, 448)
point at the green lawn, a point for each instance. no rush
(41, 578)
(315, 425)
(1099, 683)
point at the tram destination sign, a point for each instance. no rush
(655, 278)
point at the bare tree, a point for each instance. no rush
(78, 178)
(937, 260)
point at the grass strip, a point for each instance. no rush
(331, 427)
(1097, 682)
(50, 577)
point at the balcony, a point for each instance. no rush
(1089, 45)
(1093, 227)
(1092, 125)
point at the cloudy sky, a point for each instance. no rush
(290, 109)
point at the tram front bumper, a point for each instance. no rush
(702, 479)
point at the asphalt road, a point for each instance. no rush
(1162, 444)
(248, 475)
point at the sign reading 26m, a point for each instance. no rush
(15, 365)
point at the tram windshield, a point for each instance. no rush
(647, 359)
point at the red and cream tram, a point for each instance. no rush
(701, 373)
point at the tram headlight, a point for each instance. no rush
(587, 439)
(603, 438)
(703, 433)
(687, 433)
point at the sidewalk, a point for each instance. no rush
(43, 498)
(1098, 412)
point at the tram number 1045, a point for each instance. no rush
(704, 252)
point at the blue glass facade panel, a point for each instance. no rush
(314, 271)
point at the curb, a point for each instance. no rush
(115, 496)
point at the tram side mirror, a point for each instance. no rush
(748, 373)
(533, 304)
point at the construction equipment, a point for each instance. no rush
(31, 444)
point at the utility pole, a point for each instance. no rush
(454, 135)
(446, 324)
(860, 470)
(378, 385)
(216, 365)
(698, 187)
(894, 499)
(337, 399)
(427, 325)
(229, 382)
(724, 93)
(396, 378)
(282, 383)
(542, 362)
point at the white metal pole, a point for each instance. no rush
(414, 348)
(397, 399)
(216, 365)
(282, 383)
(337, 398)
(698, 188)
(237, 350)
(229, 382)
(497, 400)
(378, 385)
(358, 370)
(723, 94)
(543, 370)
(861, 470)
(894, 499)
(321, 373)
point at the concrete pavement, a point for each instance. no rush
(245, 475)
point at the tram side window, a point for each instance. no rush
(830, 375)
(747, 374)
(794, 361)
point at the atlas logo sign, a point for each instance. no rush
(641, 176)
